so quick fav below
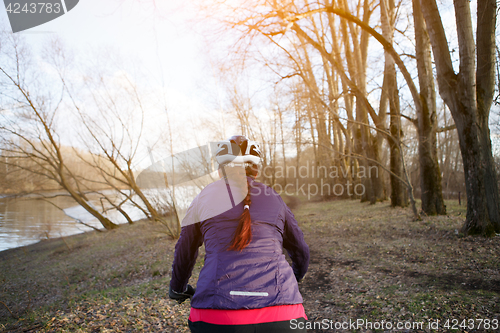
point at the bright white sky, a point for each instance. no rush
(160, 37)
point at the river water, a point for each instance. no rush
(27, 221)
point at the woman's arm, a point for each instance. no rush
(294, 243)
(186, 252)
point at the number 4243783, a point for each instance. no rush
(455, 324)
(34, 7)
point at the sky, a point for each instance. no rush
(164, 39)
(160, 37)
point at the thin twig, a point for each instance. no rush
(88, 225)
(12, 314)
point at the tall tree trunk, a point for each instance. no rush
(280, 114)
(356, 65)
(459, 93)
(343, 160)
(485, 83)
(430, 174)
(383, 107)
(298, 130)
(398, 197)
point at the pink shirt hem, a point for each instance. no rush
(248, 316)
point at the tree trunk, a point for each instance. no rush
(459, 93)
(485, 83)
(280, 114)
(430, 174)
(356, 65)
(398, 197)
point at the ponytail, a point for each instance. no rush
(243, 234)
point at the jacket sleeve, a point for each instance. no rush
(186, 252)
(294, 243)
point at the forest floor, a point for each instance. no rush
(370, 264)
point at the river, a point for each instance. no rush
(27, 221)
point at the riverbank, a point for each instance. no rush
(367, 262)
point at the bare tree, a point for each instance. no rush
(111, 134)
(29, 133)
(390, 92)
(430, 174)
(469, 95)
(114, 134)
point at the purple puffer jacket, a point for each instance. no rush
(259, 275)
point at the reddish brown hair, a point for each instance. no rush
(243, 234)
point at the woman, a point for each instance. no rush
(246, 284)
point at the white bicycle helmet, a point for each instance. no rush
(237, 149)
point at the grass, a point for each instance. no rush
(369, 262)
